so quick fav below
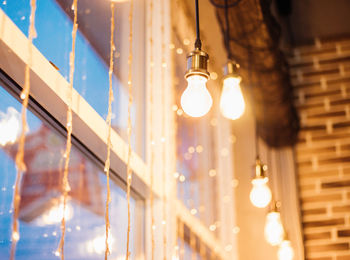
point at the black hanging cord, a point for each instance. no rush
(227, 40)
(257, 139)
(252, 102)
(198, 43)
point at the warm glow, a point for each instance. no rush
(285, 251)
(260, 195)
(55, 214)
(15, 236)
(175, 255)
(10, 126)
(274, 231)
(196, 100)
(98, 244)
(232, 102)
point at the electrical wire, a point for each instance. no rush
(227, 38)
(129, 128)
(20, 164)
(69, 126)
(109, 123)
(198, 42)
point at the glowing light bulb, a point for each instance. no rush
(260, 195)
(274, 231)
(285, 251)
(232, 104)
(196, 100)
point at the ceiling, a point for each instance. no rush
(310, 19)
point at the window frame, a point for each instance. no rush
(48, 97)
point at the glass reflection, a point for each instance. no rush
(54, 27)
(41, 196)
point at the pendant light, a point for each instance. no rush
(274, 231)
(260, 195)
(196, 100)
(285, 250)
(232, 103)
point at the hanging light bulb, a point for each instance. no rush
(196, 100)
(274, 230)
(260, 195)
(232, 103)
(285, 251)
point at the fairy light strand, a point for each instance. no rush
(69, 127)
(109, 123)
(129, 170)
(151, 131)
(20, 164)
(164, 222)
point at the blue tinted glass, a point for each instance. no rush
(40, 208)
(54, 41)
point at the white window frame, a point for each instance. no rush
(50, 90)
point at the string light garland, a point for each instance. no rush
(163, 139)
(20, 164)
(129, 129)
(109, 123)
(69, 127)
(151, 131)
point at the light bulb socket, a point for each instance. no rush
(275, 206)
(260, 169)
(231, 69)
(197, 64)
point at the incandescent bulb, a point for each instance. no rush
(260, 195)
(285, 251)
(196, 100)
(274, 231)
(232, 104)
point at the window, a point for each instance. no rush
(191, 246)
(49, 104)
(41, 209)
(54, 27)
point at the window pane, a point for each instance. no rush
(54, 28)
(40, 208)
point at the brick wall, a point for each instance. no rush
(320, 75)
